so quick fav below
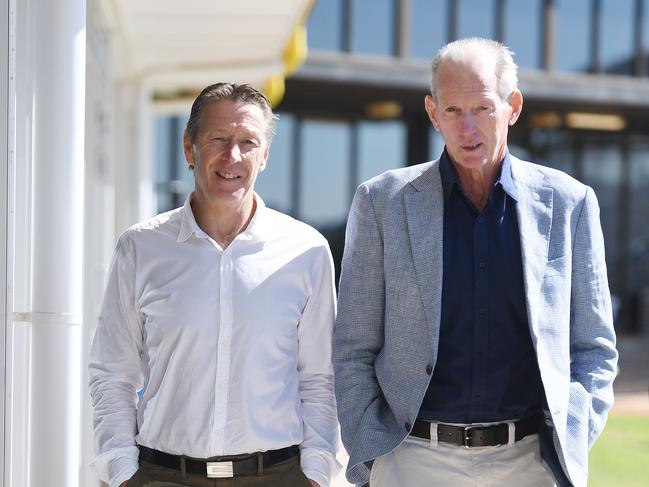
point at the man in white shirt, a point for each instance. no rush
(211, 363)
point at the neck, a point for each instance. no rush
(221, 222)
(477, 183)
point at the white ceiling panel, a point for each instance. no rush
(183, 41)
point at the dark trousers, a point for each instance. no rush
(283, 474)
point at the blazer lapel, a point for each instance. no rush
(534, 210)
(425, 221)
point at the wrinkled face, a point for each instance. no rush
(470, 114)
(230, 150)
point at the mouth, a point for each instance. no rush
(472, 147)
(227, 175)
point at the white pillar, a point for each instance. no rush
(57, 212)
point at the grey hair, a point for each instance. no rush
(230, 91)
(506, 70)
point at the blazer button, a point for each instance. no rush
(407, 425)
(429, 369)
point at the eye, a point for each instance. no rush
(452, 109)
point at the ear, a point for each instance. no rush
(431, 110)
(262, 165)
(516, 102)
(187, 149)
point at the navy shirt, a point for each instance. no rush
(486, 368)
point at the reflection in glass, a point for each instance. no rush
(638, 246)
(173, 181)
(428, 27)
(324, 175)
(522, 32)
(274, 183)
(555, 150)
(381, 146)
(476, 18)
(435, 143)
(572, 45)
(616, 44)
(645, 41)
(373, 26)
(325, 25)
(603, 172)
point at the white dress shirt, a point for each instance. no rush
(205, 352)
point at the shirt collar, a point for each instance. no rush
(189, 227)
(450, 179)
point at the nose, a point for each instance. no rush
(233, 151)
(467, 122)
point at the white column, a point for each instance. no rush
(57, 212)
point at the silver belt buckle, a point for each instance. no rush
(220, 470)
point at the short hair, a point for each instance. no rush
(244, 93)
(506, 70)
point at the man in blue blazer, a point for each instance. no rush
(474, 343)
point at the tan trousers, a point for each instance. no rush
(423, 463)
(283, 474)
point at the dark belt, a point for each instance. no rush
(473, 436)
(220, 467)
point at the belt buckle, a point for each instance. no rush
(220, 470)
(466, 437)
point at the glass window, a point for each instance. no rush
(324, 172)
(476, 18)
(325, 25)
(638, 247)
(572, 44)
(435, 143)
(556, 150)
(645, 30)
(602, 170)
(522, 32)
(372, 28)
(173, 181)
(616, 43)
(274, 184)
(428, 27)
(381, 146)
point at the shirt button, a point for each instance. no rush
(482, 310)
(407, 425)
(429, 369)
(481, 219)
(483, 265)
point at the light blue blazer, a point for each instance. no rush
(389, 306)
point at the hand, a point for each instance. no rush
(123, 484)
(314, 483)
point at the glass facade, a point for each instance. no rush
(274, 185)
(322, 151)
(523, 32)
(428, 27)
(324, 172)
(472, 25)
(617, 50)
(381, 146)
(572, 45)
(637, 249)
(373, 26)
(325, 28)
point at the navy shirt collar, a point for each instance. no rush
(450, 179)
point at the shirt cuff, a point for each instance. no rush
(319, 468)
(121, 469)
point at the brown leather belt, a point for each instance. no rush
(476, 436)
